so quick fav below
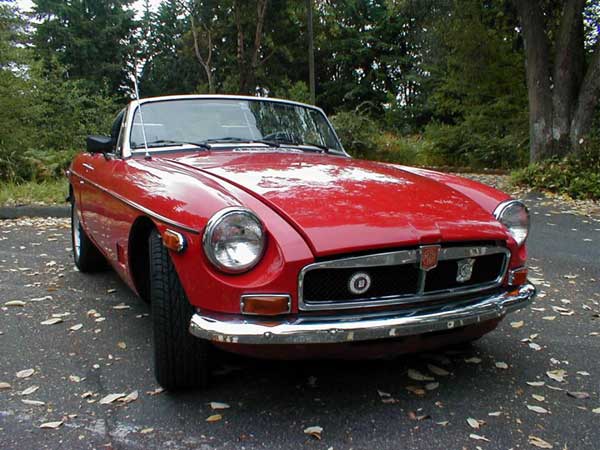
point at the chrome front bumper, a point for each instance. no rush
(340, 328)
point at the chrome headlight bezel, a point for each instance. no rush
(214, 222)
(504, 208)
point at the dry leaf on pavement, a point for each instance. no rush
(437, 370)
(51, 321)
(540, 443)
(478, 438)
(418, 376)
(473, 423)
(51, 425)
(537, 409)
(110, 398)
(25, 373)
(214, 418)
(578, 395)
(314, 431)
(219, 405)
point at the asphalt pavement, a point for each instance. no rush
(69, 340)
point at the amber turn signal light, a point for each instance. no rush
(266, 305)
(517, 277)
(173, 240)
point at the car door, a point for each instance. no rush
(102, 210)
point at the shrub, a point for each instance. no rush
(577, 175)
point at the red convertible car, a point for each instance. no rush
(248, 228)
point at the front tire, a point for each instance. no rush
(180, 360)
(86, 256)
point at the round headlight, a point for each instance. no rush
(234, 240)
(514, 215)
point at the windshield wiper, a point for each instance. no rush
(242, 140)
(169, 142)
(324, 148)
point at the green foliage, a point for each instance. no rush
(34, 192)
(576, 175)
(92, 40)
(358, 133)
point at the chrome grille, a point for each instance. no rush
(396, 277)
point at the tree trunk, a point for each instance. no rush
(568, 73)
(538, 80)
(589, 96)
(204, 62)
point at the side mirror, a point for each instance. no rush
(99, 144)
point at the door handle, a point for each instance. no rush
(88, 166)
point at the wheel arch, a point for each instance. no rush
(138, 255)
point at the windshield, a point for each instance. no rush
(200, 120)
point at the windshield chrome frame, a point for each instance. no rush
(127, 151)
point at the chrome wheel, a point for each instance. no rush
(76, 231)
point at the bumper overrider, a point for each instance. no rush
(342, 328)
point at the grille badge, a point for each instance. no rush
(359, 283)
(429, 257)
(465, 269)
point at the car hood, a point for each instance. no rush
(345, 205)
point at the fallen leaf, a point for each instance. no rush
(214, 418)
(219, 405)
(314, 431)
(30, 390)
(535, 346)
(52, 425)
(549, 317)
(495, 414)
(52, 321)
(129, 398)
(383, 394)
(518, 324)
(583, 373)
(122, 345)
(25, 373)
(540, 443)
(74, 378)
(578, 395)
(110, 398)
(4, 385)
(473, 360)
(79, 326)
(501, 365)
(111, 291)
(155, 391)
(437, 370)
(557, 375)
(536, 383)
(539, 398)
(147, 430)
(478, 438)
(121, 306)
(596, 410)
(418, 376)
(15, 303)
(432, 386)
(418, 417)
(444, 423)
(419, 392)
(33, 402)
(537, 409)
(473, 423)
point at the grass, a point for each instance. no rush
(34, 193)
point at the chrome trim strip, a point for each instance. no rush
(398, 258)
(245, 296)
(334, 329)
(137, 206)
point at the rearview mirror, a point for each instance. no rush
(99, 144)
